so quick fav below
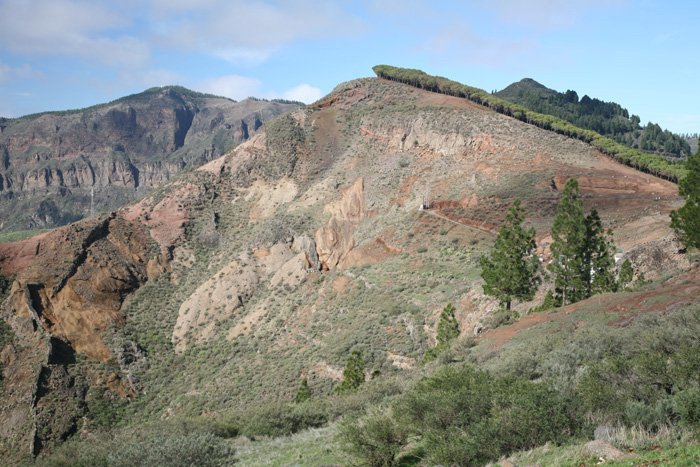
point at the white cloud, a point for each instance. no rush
(69, 27)
(151, 78)
(460, 43)
(232, 86)
(551, 14)
(248, 32)
(304, 93)
(8, 73)
(102, 31)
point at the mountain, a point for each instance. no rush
(516, 92)
(606, 118)
(204, 305)
(58, 167)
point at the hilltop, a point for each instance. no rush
(58, 167)
(527, 86)
(222, 289)
(606, 118)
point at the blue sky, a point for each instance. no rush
(64, 54)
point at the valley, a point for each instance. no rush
(204, 304)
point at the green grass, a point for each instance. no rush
(316, 446)
(682, 456)
(20, 235)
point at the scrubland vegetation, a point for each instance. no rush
(368, 365)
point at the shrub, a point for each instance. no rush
(464, 416)
(527, 415)
(375, 440)
(200, 449)
(280, 419)
(549, 302)
(649, 416)
(687, 406)
(502, 318)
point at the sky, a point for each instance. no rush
(67, 54)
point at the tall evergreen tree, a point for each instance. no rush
(626, 275)
(304, 392)
(510, 273)
(354, 373)
(583, 252)
(686, 220)
(598, 265)
(568, 235)
(448, 328)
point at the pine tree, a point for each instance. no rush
(510, 273)
(626, 275)
(448, 328)
(686, 220)
(354, 373)
(304, 392)
(583, 252)
(598, 256)
(568, 235)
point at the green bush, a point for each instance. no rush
(502, 318)
(281, 419)
(464, 416)
(375, 440)
(526, 415)
(649, 416)
(196, 449)
(687, 405)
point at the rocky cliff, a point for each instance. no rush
(58, 167)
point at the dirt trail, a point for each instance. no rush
(476, 225)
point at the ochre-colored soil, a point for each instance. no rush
(16, 256)
(679, 291)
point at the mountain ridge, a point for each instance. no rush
(60, 166)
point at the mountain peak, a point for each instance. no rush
(526, 84)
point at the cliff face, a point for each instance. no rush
(59, 167)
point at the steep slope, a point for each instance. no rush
(302, 244)
(57, 167)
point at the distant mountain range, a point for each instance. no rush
(58, 167)
(606, 118)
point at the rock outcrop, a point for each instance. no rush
(59, 305)
(75, 286)
(335, 239)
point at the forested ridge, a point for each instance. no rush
(640, 160)
(606, 118)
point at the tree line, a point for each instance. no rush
(645, 162)
(606, 118)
